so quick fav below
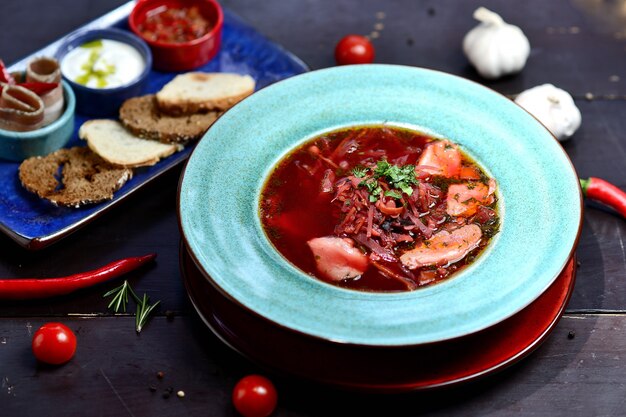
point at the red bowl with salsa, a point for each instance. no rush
(182, 34)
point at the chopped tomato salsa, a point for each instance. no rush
(172, 25)
(379, 208)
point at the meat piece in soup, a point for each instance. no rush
(441, 158)
(464, 199)
(337, 258)
(443, 248)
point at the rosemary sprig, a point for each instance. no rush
(120, 300)
(143, 311)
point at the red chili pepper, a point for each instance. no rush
(604, 192)
(5, 75)
(27, 288)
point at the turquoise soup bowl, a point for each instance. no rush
(540, 204)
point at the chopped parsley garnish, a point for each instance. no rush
(400, 179)
(373, 188)
(393, 194)
(359, 172)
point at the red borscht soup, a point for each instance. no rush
(379, 208)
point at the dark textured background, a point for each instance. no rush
(578, 45)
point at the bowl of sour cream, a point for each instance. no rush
(104, 68)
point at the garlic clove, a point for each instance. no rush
(494, 47)
(486, 16)
(553, 107)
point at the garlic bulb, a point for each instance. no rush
(553, 107)
(494, 47)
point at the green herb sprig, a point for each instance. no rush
(120, 301)
(143, 312)
(120, 297)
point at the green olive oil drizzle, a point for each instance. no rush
(88, 67)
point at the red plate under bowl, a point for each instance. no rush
(187, 55)
(378, 369)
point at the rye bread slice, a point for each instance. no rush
(142, 117)
(85, 177)
(199, 92)
(117, 145)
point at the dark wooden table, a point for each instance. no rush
(578, 45)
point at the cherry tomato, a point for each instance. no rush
(354, 49)
(54, 343)
(254, 396)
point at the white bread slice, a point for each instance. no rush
(115, 144)
(196, 92)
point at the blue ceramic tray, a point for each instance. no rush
(35, 223)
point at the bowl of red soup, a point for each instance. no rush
(182, 34)
(379, 205)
